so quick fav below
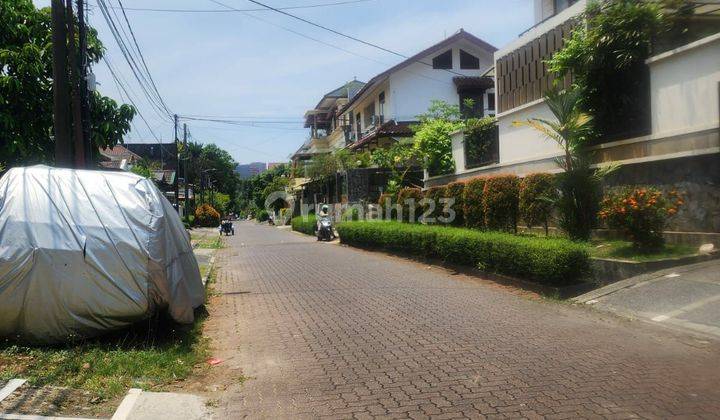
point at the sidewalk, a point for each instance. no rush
(686, 297)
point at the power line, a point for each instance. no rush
(327, 44)
(309, 6)
(142, 58)
(119, 83)
(153, 97)
(317, 25)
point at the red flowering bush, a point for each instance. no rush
(641, 213)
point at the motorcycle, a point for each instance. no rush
(325, 230)
(227, 228)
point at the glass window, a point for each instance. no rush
(491, 101)
(443, 61)
(468, 61)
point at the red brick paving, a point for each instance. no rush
(329, 331)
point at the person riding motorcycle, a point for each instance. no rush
(324, 215)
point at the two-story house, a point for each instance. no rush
(675, 145)
(452, 70)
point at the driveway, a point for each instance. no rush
(322, 330)
(684, 297)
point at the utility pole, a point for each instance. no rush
(177, 166)
(185, 172)
(61, 93)
(75, 105)
(83, 85)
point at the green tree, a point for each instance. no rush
(606, 56)
(432, 141)
(26, 88)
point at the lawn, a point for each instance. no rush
(141, 357)
(150, 355)
(205, 240)
(623, 250)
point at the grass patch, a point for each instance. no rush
(623, 250)
(207, 241)
(148, 356)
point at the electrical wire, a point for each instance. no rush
(317, 25)
(128, 53)
(308, 6)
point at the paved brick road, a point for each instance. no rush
(324, 330)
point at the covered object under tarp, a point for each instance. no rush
(83, 252)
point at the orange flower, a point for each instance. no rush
(671, 211)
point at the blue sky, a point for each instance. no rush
(231, 64)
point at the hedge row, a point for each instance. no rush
(304, 225)
(493, 203)
(551, 261)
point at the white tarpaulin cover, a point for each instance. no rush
(82, 252)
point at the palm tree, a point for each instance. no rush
(579, 185)
(571, 130)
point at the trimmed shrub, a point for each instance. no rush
(552, 261)
(352, 213)
(500, 202)
(304, 225)
(207, 216)
(456, 191)
(537, 196)
(472, 203)
(388, 201)
(410, 212)
(641, 213)
(433, 194)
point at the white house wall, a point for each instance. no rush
(413, 88)
(520, 144)
(684, 88)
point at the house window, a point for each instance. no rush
(443, 61)
(468, 61)
(491, 101)
(369, 113)
(561, 5)
(381, 99)
(358, 125)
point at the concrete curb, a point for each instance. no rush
(211, 265)
(10, 387)
(125, 408)
(34, 417)
(642, 278)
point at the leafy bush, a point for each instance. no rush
(263, 216)
(352, 213)
(481, 141)
(387, 203)
(455, 190)
(433, 195)
(546, 260)
(207, 216)
(304, 224)
(472, 203)
(641, 213)
(500, 202)
(432, 140)
(410, 200)
(537, 196)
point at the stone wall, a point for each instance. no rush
(696, 178)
